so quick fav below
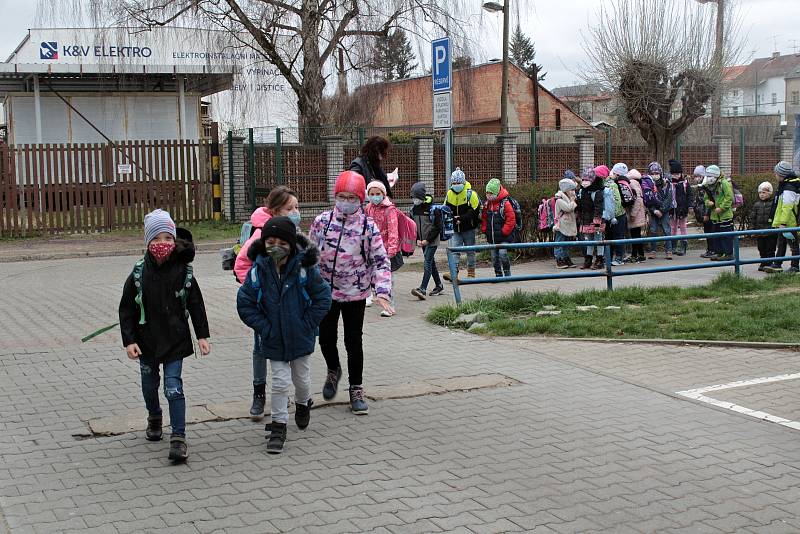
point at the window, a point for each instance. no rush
(735, 93)
(796, 98)
(558, 119)
(759, 99)
(735, 111)
(774, 98)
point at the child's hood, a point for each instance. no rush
(308, 252)
(184, 246)
(260, 217)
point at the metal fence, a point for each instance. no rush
(610, 273)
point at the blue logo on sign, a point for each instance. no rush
(441, 70)
(48, 50)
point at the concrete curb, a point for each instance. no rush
(201, 248)
(686, 342)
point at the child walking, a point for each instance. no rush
(384, 213)
(564, 226)
(761, 219)
(429, 227)
(353, 260)
(498, 222)
(283, 299)
(158, 298)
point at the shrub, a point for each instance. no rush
(530, 195)
(748, 185)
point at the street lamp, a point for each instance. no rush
(494, 7)
(716, 105)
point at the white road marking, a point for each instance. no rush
(699, 394)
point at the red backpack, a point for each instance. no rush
(407, 233)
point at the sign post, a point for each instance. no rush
(442, 79)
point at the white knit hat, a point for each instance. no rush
(765, 186)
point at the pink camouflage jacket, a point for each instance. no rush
(339, 240)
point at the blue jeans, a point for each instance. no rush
(501, 263)
(561, 253)
(596, 236)
(465, 239)
(430, 268)
(660, 223)
(618, 231)
(259, 363)
(173, 390)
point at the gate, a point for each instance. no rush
(55, 188)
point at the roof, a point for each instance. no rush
(731, 73)
(586, 89)
(762, 69)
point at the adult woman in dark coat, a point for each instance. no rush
(368, 164)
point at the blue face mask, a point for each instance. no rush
(457, 188)
(376, 199)
(347, 207)
(295, 218)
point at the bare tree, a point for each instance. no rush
(298, 37)
(659, 56)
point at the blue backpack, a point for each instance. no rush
(447, 220)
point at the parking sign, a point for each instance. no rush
(441, 66)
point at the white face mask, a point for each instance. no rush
(416, 201)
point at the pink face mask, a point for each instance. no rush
(161, 251)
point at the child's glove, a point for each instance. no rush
(392, 177)
(614, 221)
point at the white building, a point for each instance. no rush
(760, 88)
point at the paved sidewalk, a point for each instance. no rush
(591, 439)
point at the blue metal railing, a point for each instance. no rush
(609, 273)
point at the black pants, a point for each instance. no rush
(793, 245)
(708, 227)
(766, 247)
(637, 249)
(353, 318)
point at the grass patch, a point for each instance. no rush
(728, 309)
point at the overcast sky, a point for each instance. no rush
(555, 26)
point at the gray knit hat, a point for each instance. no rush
(418, 191)
(155, 222)
(784, 169)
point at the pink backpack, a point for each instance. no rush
(407, 233)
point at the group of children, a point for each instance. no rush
(619, 202)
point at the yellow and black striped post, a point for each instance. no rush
(216, 182)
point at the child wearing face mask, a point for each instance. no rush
(281, 201)
(353, 260)
(466, 207)
(159, 297)
(429, 226)
(384, 213)
(283, 299)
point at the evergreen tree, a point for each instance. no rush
(393, 57)
(523, 54)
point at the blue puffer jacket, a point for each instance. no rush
(288, 312)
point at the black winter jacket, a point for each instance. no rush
(370, 172)
(590, 208)
(165, 335)
(761, 215)
(684, 199)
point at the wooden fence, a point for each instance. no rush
(54, 188)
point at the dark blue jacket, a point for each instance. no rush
(288, 313)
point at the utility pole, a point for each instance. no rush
(494, 7)
(716, 102)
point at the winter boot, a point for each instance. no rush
(302, 414)
(331, 384)
(154, 424)
(259, 399)
(587, 263)
(569, 263)
(276, 437)
(599, 263)
(470, 272)
(449, 278)
(357, 403)
(177, 449)
(561, 263)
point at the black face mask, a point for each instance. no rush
(277, 253)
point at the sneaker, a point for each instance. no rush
(722, 257)
(257, 408)
(419, 293)
(773, 269)
(369, 301)
(276, 437)
(680, 253)
(436, 291)
(177, 449)
(357, 403)
(707, 254)
(386, 313)
(562, 264)
(154, 424)
(762, 268)
(570, 264)
(302, 414)
(331, 384)
(651, 256)
(792, 270)
(640, 259)
(617, 263)
(668, 256)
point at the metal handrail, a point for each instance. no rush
(609, 272)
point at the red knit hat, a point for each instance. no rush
(351, 182)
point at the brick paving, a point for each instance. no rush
(591, 439)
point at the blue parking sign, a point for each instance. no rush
(441, 66)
